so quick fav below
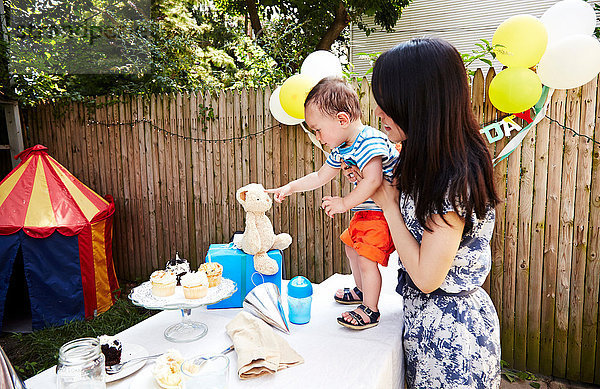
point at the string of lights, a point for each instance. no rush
(575, 133)
(172, 134)
(247, 136)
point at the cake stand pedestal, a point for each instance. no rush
(186, 330)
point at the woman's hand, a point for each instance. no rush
(386, 196)
(351, 172)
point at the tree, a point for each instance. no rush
(324, 20)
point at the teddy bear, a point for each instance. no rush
(259, 237)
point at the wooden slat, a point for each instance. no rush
(268, 147)
(537, 245)
(284, 134)
(477, 104)
(239, 156)
(198, 175)
(163, 159)
(497, 242)
(582, 199)
(293, 202)
(232, 204)
(565, 239)
(188, 197)
(210, 172)
(116, 186)
(223, 164)
(311, 202)
(154, 195)
(252, 130)
(523, 248)
(590, 358)
(140, 112)
(557, 110)
(510, 255)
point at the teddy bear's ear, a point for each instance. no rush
(241, 195)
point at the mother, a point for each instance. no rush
(440, 212)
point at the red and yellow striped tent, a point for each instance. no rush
(63, 230)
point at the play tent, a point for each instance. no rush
(63, 230)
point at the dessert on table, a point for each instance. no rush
(112, 348)
(178, 266)
(195, 284)
(214, 271)
(163, 283)
(167, 370)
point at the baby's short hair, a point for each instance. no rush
(332, 95)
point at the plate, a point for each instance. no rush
(142, 296)
(130, 351)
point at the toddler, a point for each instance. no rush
(332, 111)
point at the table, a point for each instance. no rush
(334, 356)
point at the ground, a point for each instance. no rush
(546, 383)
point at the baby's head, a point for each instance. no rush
(331, 107)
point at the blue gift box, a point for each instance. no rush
(239, 267)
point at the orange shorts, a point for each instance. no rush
(369, 235)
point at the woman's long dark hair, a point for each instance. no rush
(422, 86)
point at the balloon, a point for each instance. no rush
(515, 90)
(277, 111)
(293, 93)
(522, 40)
(570, 62)
(569, 17)
(320, 64)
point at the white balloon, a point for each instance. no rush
(277, 111)
(320, 64)
(569, 17)
(570, 62)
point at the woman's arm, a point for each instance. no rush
(426, 263)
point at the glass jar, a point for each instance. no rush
(81, 365)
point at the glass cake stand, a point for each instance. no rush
(187, 330)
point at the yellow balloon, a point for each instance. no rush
(293, 94)
(522, 41)
(514, 90)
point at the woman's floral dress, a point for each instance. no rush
(453, 341)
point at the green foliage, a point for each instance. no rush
(38, 350)
(185, 47)
(512, 375)
(485, 48)
(317, 16)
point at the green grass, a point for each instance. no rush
(32, 353)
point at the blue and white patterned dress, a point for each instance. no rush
(453, 341)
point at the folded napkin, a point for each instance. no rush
(260, 350)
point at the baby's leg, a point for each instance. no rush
(371, 282)
(353, 258)
(371, 288)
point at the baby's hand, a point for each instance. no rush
(279, 194)
(333, 205)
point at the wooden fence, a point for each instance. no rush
(174, 162)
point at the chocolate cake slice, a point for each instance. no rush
(112, 348)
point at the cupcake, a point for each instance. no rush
(195, 285)
(167, 370)
(112, 348)
(178, 266)
(163, 283)
(213, 272)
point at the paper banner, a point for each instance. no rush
(540, 112)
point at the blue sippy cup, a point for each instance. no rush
(299, 293)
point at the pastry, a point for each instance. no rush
(163, 283)
(178, 266)
(167, 370)
(213, 272)
(112, 348)
(195, 285)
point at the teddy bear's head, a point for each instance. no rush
(254, 198)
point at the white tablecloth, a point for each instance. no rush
(335, 356)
